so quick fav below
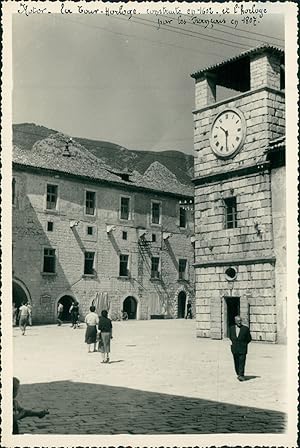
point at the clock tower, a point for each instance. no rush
(240, 266)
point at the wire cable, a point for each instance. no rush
(162, 27)
(178, 30)
(194, 33)
(154, 25)
(235, 34)
(156, 42)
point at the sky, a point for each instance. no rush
(119, 80)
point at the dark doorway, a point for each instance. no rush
(19, 295)
(130, 306)
(18, 298)
(66, 301)
(232, 309)
(181, 304)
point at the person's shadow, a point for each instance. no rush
(119, 360)
(250, 377)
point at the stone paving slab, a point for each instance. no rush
(107, 416)
(162, 380)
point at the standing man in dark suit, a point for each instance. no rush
(240, 337)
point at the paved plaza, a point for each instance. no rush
(161, 380)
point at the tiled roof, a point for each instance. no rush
(252, 51)
(48, 154)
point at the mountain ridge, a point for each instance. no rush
(25, 135)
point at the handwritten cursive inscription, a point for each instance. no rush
(205, 16)
(25, 9)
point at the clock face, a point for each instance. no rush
(228, 133)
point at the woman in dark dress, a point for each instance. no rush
(91, 320)
(105, 326)
(74, 311)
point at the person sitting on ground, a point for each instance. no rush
(91, 320)
(124, 315)
(105, 326)
(19, 412)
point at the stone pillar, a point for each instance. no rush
(205, 93)
(265, 70)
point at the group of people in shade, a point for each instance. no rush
(22, 316)
(73, 312)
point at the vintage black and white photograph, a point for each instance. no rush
(150, 156)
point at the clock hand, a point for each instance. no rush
(226, 137)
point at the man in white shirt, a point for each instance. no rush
(60, 309)
(23, 321)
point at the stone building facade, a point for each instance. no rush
(239, 177)
(84, 232)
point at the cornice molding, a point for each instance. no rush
(224, 175)
(43, 171)
(241, 261)
(238, 97)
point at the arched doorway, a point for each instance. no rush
(66, 301)
(181, 304)
(130, 306)
(19, 296)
